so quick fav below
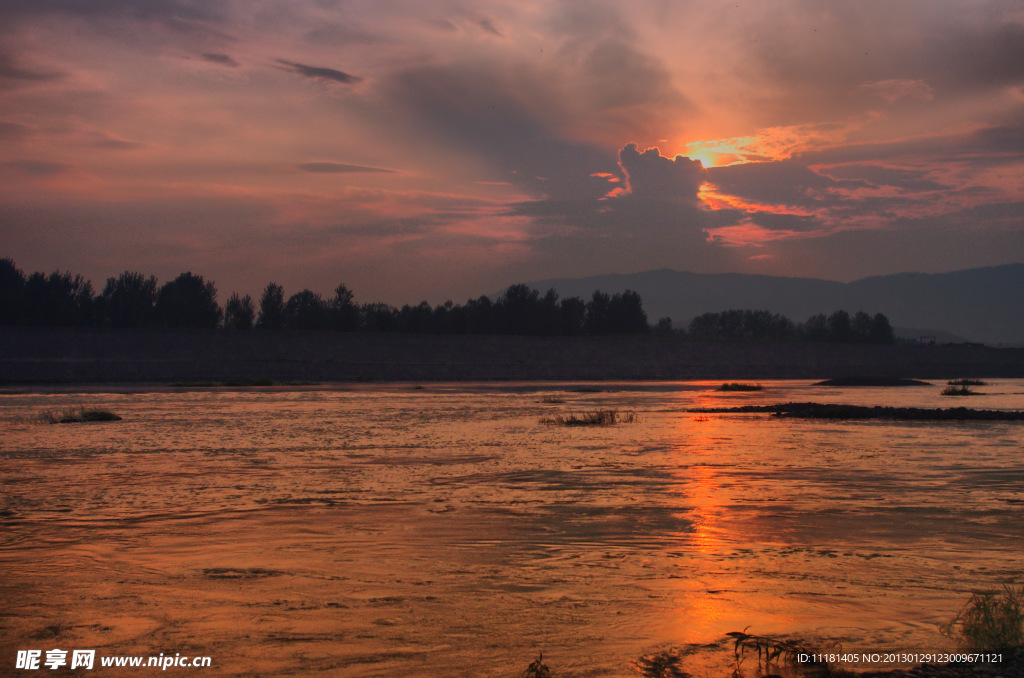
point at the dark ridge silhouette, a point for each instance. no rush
(981, 304)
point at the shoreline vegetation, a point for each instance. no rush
(835, 411)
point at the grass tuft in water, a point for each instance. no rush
(551, 400)
(990, 621)
(666, 664)
(967, 382)
(736, 386)
(773, 652)
(595, 418)
(537, 668)
(79, 416)
(958, 391)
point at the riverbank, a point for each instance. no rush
(75, 356)
(43, 355)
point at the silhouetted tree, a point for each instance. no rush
(128, 300)
(377, 317)
(839, 327)
(881, 330)
(239, 312)
(573, 316)
(60, 299)
(815, 329)
(415, 319)
(549, 314)
(450, 318)
(480, 316)
(37, 311)
(12, 293)
(860, 327)
(745, 325)
(343, 310)
(626, 314)
(306, 310)
(187, 301)
(768, 326)
(271, 308)
(664, 327)
(597, 321)
(705, 326)
(518, 309)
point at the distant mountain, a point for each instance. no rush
(982, 304)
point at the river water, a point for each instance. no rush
(446, 530)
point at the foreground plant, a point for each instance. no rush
(537, 668)
(772, 651)
(595, 418)
(990, 620)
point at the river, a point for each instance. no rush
(447, 530)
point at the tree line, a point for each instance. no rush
(839, 327)
(134, 300)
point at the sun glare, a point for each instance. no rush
(719, 152)
(706, 157)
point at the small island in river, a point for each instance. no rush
(841, 411)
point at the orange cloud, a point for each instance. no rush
(749, 234)
(773, 143)
(893, 90)
(709, 194)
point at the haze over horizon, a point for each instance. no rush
(445, 150)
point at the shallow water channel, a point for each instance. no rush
(445, 530)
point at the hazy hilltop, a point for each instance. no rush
(982, 304)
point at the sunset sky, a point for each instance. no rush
(432, 150)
